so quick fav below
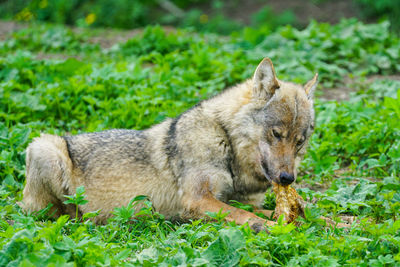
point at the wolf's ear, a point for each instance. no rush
(310, 86)
(264, 80)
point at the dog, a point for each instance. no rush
(229, 147)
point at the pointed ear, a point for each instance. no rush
(310, 86)
(264, 80)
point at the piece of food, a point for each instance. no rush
(288, 202)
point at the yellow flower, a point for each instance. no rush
(24, 15)
(203, 18)
(90, 18)
(43, 4)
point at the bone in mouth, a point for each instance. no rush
(288, 202)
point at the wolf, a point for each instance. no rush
(229, 147)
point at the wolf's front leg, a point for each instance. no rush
(211, 204)
(200, 198)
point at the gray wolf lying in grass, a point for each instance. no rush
(229, 147)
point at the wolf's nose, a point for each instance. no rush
(286, 178)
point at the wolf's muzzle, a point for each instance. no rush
(286, 178)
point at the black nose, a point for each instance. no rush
(286, 178)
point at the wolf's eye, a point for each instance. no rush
(300, 142)
(276, 134)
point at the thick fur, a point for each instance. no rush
(229, 147)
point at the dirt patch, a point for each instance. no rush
(326, 11)
(350, 85)
(8, 27)
(338, 93)
(372, 78)
(55, 56)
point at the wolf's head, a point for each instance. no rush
(285, 119)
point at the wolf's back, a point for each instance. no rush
(108, 148)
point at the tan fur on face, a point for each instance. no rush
(296, 115)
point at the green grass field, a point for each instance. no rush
(59, 80)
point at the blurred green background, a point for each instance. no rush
(218, 16)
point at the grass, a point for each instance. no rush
(155, 75)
